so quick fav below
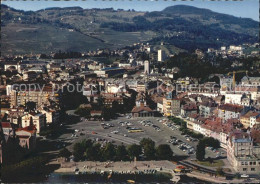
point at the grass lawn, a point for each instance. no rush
(215, 163)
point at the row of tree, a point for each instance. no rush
(146, 150)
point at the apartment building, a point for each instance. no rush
(242, 154)
(41, 95)
(229, 111)
(171, 105)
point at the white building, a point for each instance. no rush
(161, 55)
(52, 116)
(146, 67)
(233, 98)
(223, 48)
(37, 119)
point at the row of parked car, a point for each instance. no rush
(149, 123)
(185, 147)
(106, 125)
(171, 125)
(125, 123)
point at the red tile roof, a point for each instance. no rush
(6, 125)
(231, 107)
(30, 129)
(141, 108)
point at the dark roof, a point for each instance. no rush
(231, 107)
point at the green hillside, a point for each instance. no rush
(77, 29)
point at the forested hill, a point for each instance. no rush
(78, 29)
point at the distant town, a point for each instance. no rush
(188, 114)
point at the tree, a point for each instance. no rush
(121, 152)
(149, 148)
(30, 106)
(146, 141)
(83, 112)
(65, 153)
(107, 113)
(109, 151)
(78, 152)
(93, 152)
(149, 152)
(164, 152)
(96, 151)
(79, 149)
(210, 141)
(134, 150)
(200, 153)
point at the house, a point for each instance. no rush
(15, 115)
(8, 129)
(190, 121)
(110, 98)
(52, 116)
(37, 119)
(141, 87)
(206, 108)
(249, 119)
(188, 109)
(95, 114)
(27, 136)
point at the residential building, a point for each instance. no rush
(108, 72)
(249, 119)
(37, 119)
(141, 87)
(229, 111)
(206, 108)
(39, 94)
(171, 105)
(250, 81)
(187, 109)
(52, 116)
(27, 136)
(242, 154)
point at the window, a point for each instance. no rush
(252, 169)
(242, 163)
(244, 169)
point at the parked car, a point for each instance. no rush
(244, 176)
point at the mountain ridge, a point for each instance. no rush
(186, 27)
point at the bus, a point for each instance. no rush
(134, 131)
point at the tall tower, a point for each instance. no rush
(146, 67)
(161, 55)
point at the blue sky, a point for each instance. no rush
(245, 8)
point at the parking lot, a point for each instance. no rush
(128, 130)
